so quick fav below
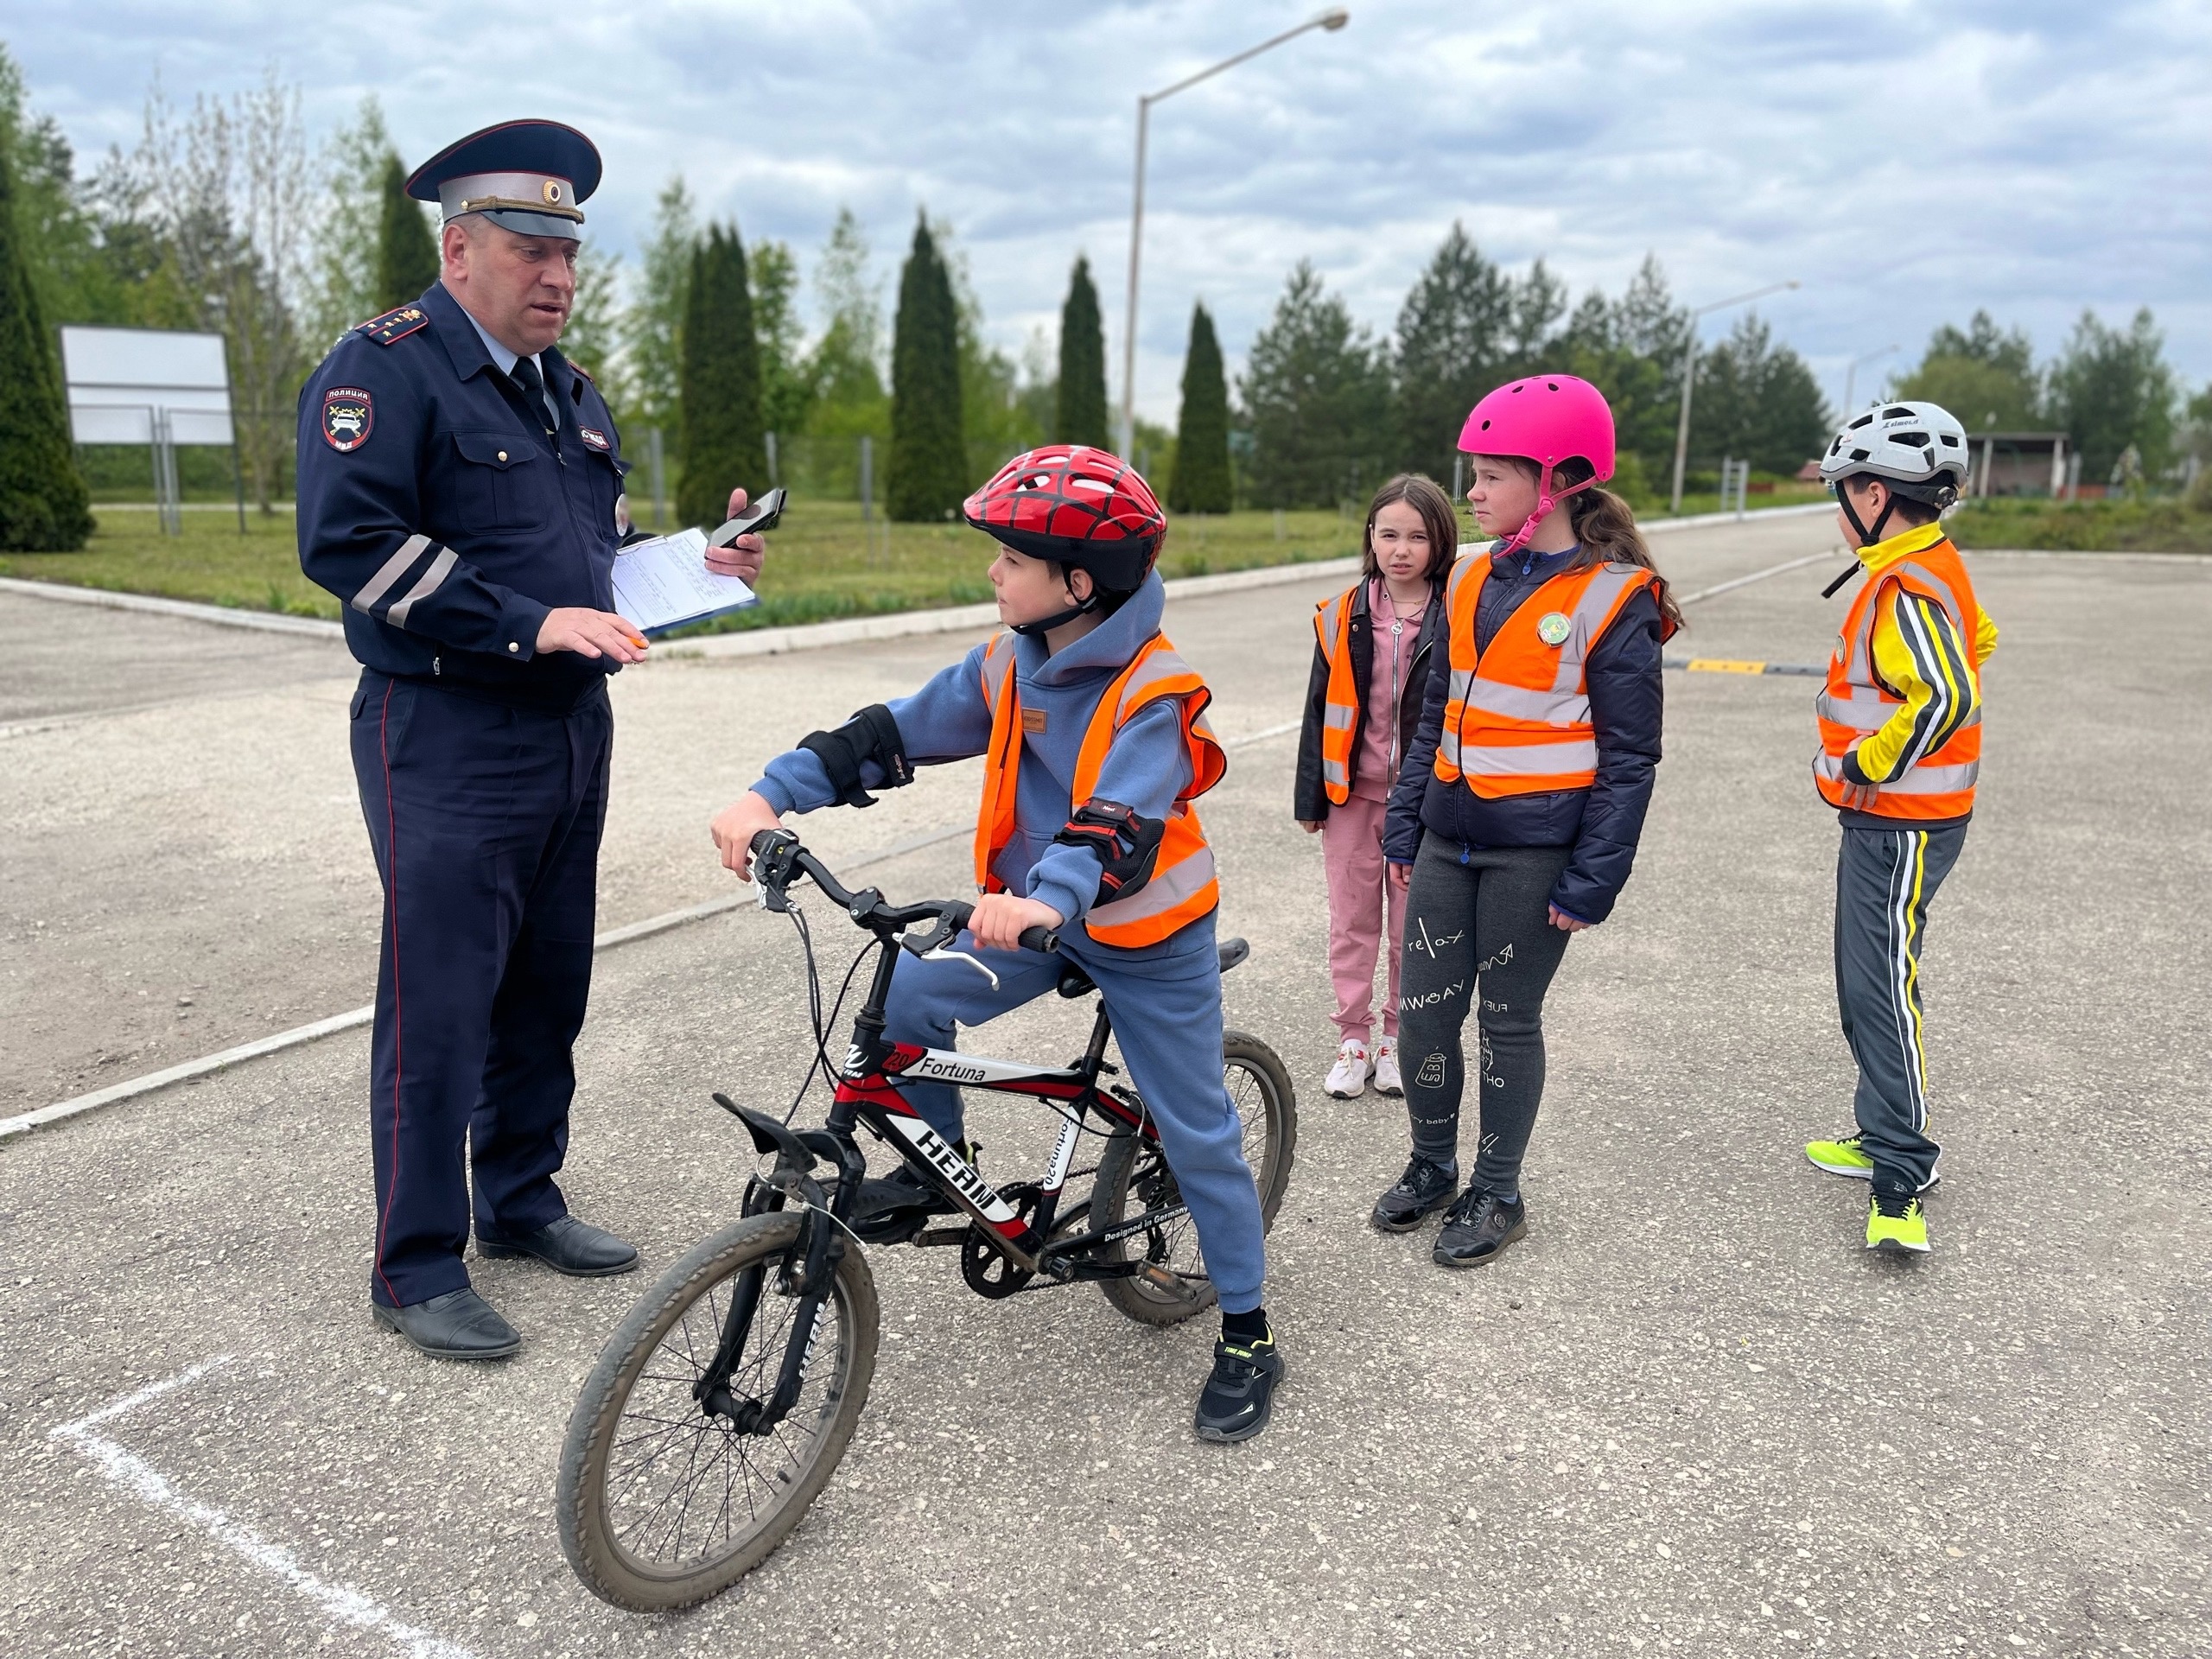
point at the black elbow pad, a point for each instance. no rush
(871, 735)
(1128, 846)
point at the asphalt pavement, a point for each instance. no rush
(1687, 1414)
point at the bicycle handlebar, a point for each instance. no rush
(868, 908)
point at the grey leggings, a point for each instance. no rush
(1478, 924)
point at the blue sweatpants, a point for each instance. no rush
(1167, 1015)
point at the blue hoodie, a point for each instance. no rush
(1147, 768)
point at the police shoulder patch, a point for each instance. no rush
(395, 324)
(349, 414)
(593, 437)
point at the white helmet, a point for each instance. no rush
(1908, 444)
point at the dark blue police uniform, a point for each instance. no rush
(434, 503)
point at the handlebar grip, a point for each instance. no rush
(1041, 939)
(760, 837)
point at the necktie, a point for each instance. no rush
(532, 382)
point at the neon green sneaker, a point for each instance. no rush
(1898, 1226)
(1844, 1157)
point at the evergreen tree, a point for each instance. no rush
(1757, 401)
(1983, 375)
(43, 503)
(928, 475)
(1454, 332)
(1201, 481)
(407, 254)
(1317, 390)
(1631, 350)
(719, 444)
(1080, 416)
(2114, 391)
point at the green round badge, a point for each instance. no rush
(1554, 628)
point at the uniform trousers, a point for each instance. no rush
(484, 820)
(1885, 881)
(1167, 1015)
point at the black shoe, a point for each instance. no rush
(460, 1325)
(1423, 1190)
(570, 1246)
(1238, 1398)
(892, 1208)
(1478, 1227)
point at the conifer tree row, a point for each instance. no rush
(407, 254)
(928, 475)
(1080, 413)
(719, 380)
(44, 507)
(1201, 481)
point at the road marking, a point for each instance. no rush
(1741, 665)
(126, 1469)
(1718, 588)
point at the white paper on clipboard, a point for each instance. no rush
(664, 582)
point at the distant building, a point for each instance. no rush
(2020, 463)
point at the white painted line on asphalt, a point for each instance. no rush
(134, 1474)
(1718, 588)
(207, 1064)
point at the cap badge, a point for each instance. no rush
(553, 190)
(1553, 629)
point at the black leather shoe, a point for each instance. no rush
(570, 1246)
(1424, 1189)
(460, 1325)
(1478, 1227)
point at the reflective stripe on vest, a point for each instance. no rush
(1182, 887)
(1517, 716)
(1340, 712)
(1855, 703)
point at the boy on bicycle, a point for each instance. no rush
(1095, 744)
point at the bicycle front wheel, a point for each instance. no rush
(661, 1504)
(1134, 1176)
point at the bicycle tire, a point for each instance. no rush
(829, 1406)
(1130, 1160)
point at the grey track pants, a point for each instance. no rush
(1478, 931)
(1885, 881)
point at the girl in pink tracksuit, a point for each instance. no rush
(1370, 654)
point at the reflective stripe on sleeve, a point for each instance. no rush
(440, 568)
(394, 568)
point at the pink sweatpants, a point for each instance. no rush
(1352, 852)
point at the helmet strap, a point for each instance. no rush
(1081, 607)
(1545, 502)
(1867, 534)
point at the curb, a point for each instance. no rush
(221, 615)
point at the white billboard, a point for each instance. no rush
(120, 379)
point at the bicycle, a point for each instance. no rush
(737, 1380)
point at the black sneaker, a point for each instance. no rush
(1423, 1190)
(1478, 1227)
(1238, 1398)
(892, 1208)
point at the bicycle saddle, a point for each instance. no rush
(1075, 982)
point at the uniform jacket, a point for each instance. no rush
(431, 502)
(1310, 804)
(1147, 768)
(1602, 824)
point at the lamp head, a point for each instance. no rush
(1335, 18)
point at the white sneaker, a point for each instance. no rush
(1387, 1080)
(1348, 1077)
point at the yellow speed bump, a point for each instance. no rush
(1723, 665)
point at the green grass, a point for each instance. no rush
(2163, 526)
(822, 563)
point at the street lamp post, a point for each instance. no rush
(1851, 376)
(1332, 20)
(1689, 376)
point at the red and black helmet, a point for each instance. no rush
(1078, 506)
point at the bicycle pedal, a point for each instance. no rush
(1152, 1274)
(938, 1235)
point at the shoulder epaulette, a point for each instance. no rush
(395, 324)
(584, 372)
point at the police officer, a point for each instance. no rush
(461, 490)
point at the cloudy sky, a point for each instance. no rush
(1907, 161)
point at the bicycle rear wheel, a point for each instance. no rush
(1134, 1176)
(662, 1505)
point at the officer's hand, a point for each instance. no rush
(592, 633)
(734, 826)
(1000, 918)
(741, 558)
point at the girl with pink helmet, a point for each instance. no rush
(1515, 819)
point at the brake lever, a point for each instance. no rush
(940, 954)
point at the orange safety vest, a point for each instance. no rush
(1340, 713)
(1516, 718)
(1182, 887)
(1856, 702)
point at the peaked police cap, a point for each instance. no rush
(528, 176)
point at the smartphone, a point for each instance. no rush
(759, 515)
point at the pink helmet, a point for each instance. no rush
(1549, 419)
